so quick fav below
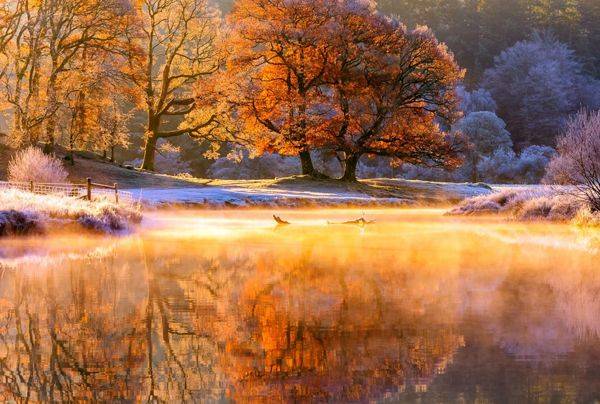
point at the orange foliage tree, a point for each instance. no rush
(390, 89)
(278, 61)
(337, 75)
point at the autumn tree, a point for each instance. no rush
(176, 46)
(22, 54)
(114, 132)
(74, 27)
(42, 56)
(390, 89)
(279, 55)
(97, 90)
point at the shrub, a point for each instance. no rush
(24, 212)
(531, 166)
(13, 223)
(31, 164)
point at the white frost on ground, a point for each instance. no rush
(221, 196)
(380, 192)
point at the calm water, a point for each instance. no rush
(223, 306)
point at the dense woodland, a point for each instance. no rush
(436, 89)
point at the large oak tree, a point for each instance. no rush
(391, 89)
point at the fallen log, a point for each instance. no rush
(358, 222)
(280, 221)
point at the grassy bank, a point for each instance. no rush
(24, 213)
(540, 203)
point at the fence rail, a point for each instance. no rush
(89, 190)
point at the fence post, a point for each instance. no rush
(116, 193)
(31, 186)
(89, 189)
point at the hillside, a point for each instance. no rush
(101, 171)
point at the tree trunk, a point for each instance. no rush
(51, 123)
(72, 139)
(149, 151)
(307, 164)
(474, 173)
(112, 154)
(350, 170)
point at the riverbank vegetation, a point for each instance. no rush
(555, 204)
(576, 167)
(24, 213)
(27, 210)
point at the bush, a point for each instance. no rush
(15, 223)
(504, 166)
(531, 165)
(31, 164)
(23, 212)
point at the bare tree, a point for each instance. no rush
(578, 160)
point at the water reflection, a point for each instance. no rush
(415, 307)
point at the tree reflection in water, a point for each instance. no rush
(306, 318)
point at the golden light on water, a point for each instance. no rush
(226, 305)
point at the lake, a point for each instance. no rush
(225, 306)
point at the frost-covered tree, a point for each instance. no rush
(113, 132)
(578, 160)
(537, 84)
(477, 100)
(531, 166)
(485, 133)
(47, 49)
(31, 164)
(504, 166)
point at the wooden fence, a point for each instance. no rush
(88, 191)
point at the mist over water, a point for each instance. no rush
(224, 305)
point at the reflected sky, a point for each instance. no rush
(225, 306)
